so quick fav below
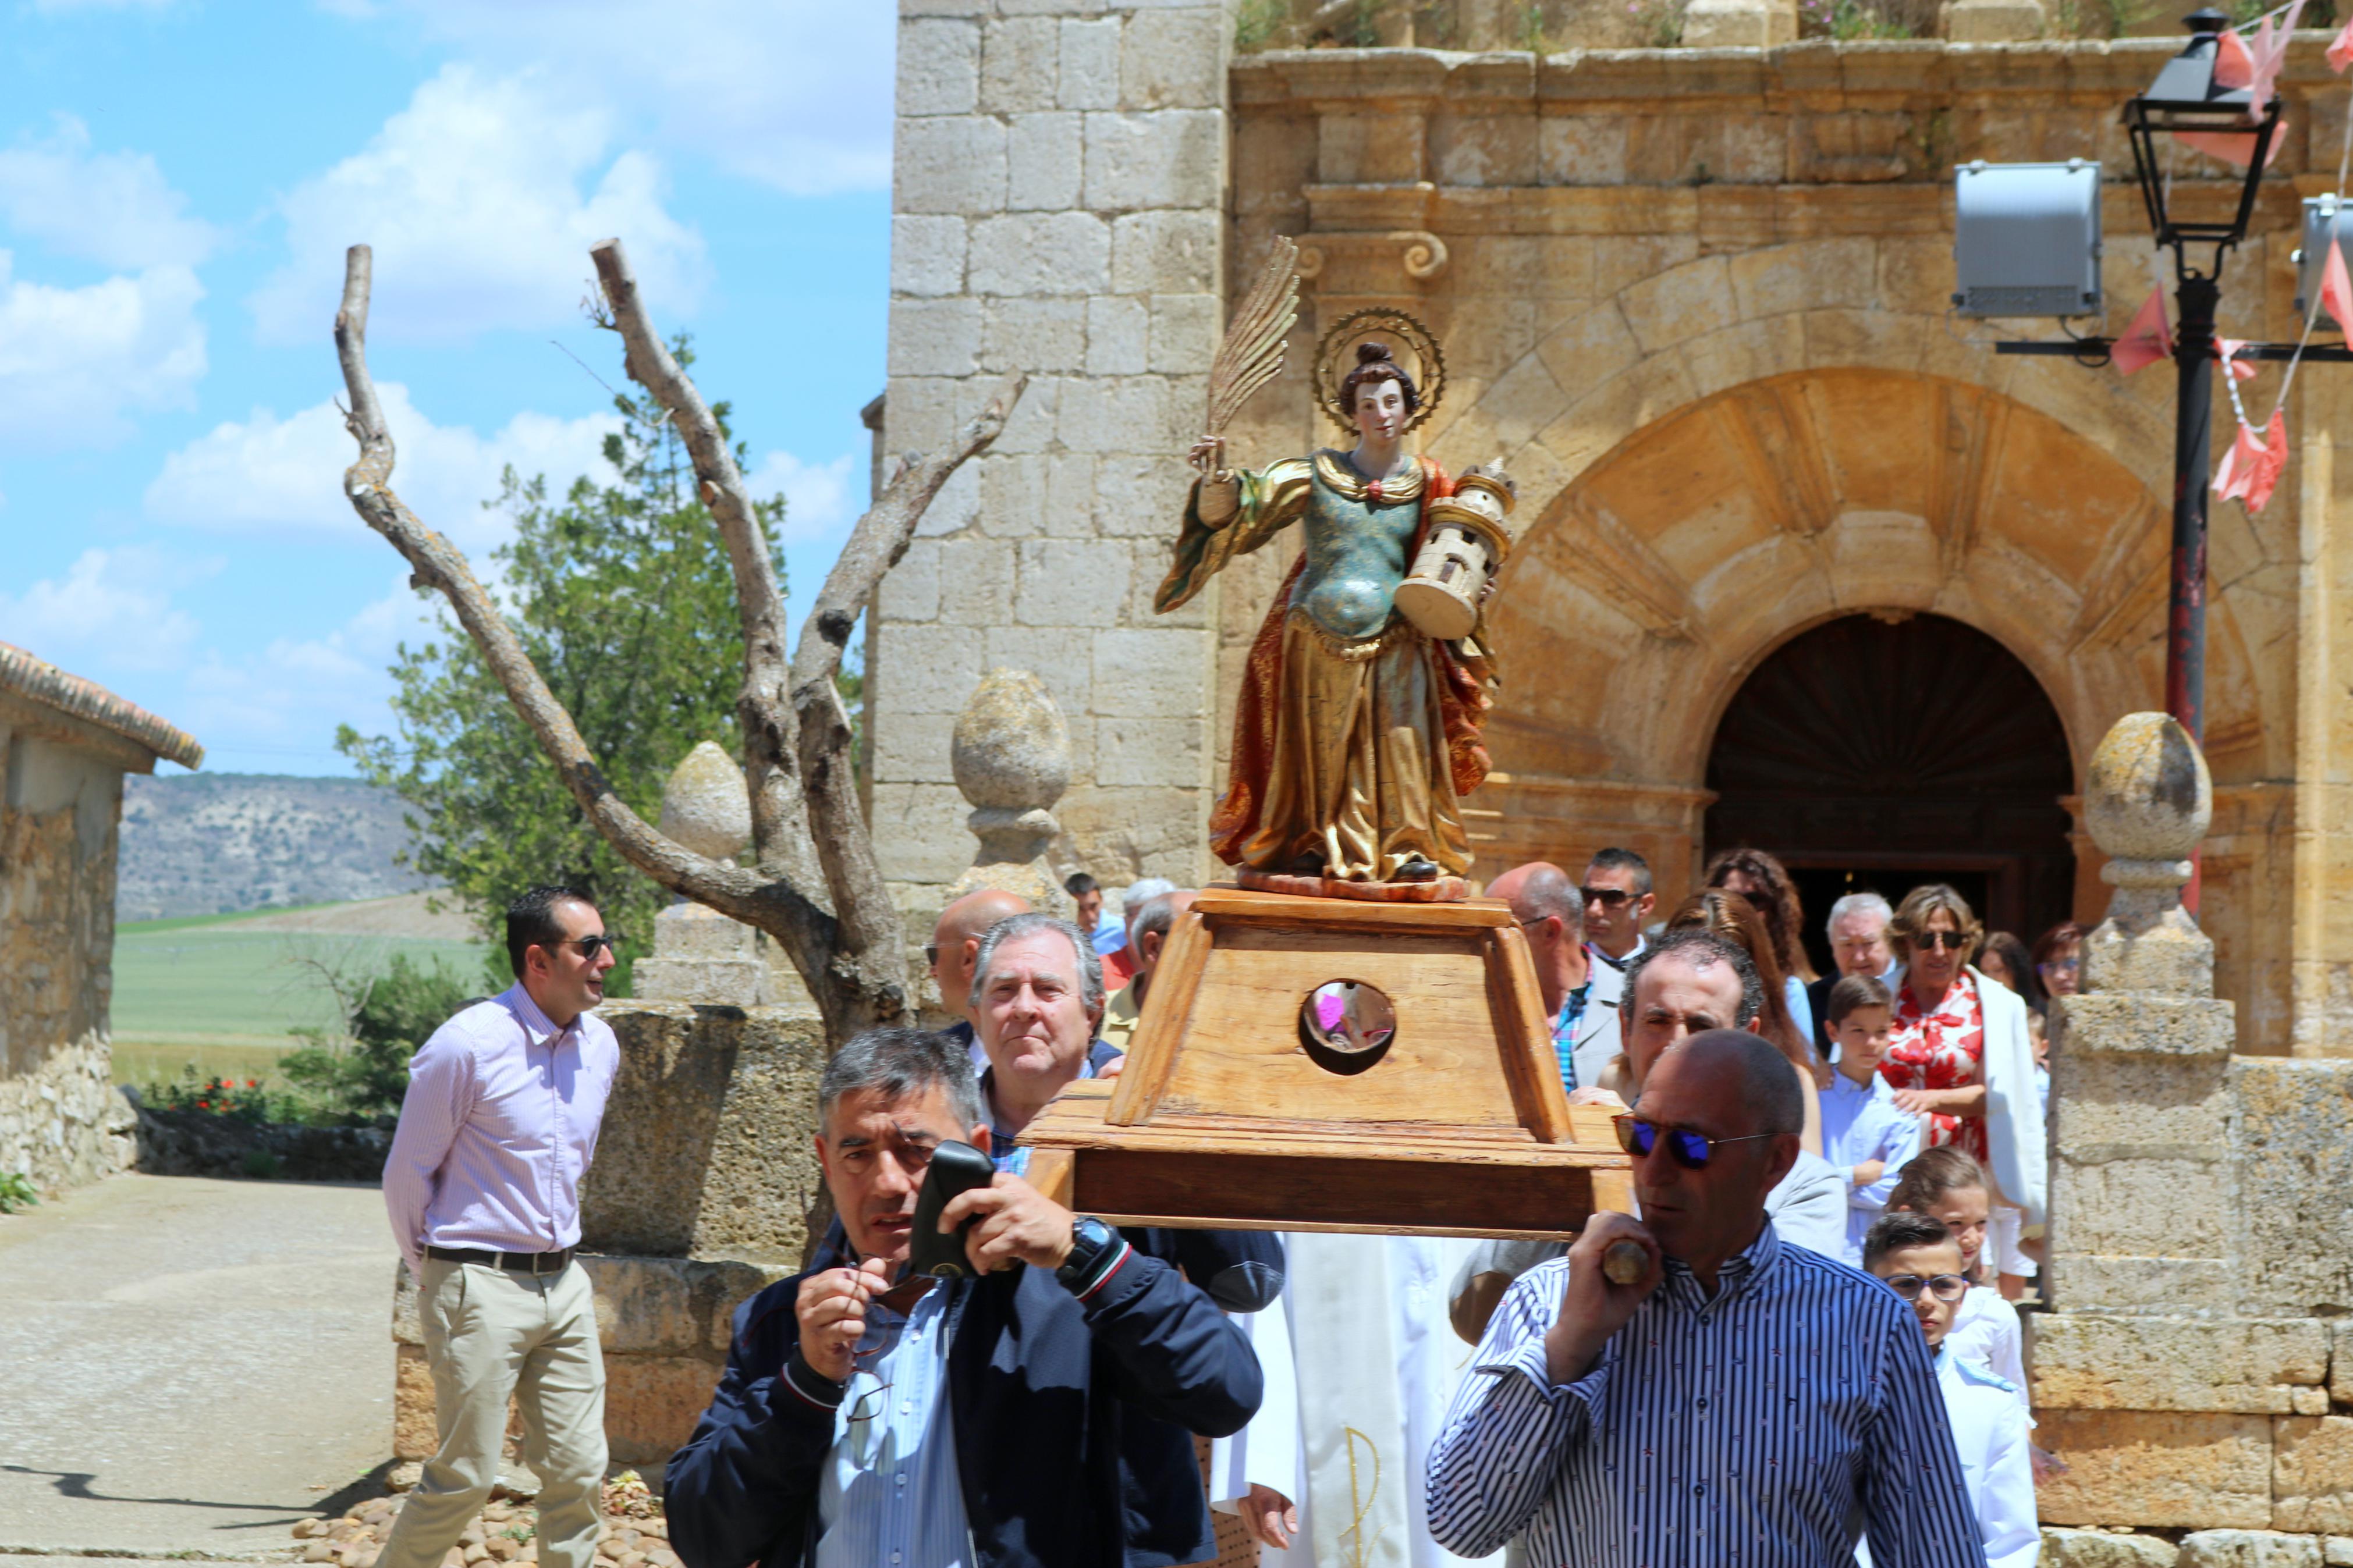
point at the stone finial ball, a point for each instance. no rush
(1011, 748)
(2147, 795)
(706, 807)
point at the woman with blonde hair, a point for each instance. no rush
(1960, 1056)
(1734, 917)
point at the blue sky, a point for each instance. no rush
(178, 179)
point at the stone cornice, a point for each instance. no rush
(1816, 75)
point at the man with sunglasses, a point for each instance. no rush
(1740, 1400)
(1914, 1256)
(1617, 901)
(483, 1187)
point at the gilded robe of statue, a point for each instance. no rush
(1356, 736)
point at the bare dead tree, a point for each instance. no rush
(815, 885)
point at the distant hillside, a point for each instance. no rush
(206, 844)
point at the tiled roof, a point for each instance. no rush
(41, 681)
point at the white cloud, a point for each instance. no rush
(795, 94)
(75, 361)
(818, 503)
(266, 474)
(111, 605)
(291, 693)
(113, 208)
(481, 199)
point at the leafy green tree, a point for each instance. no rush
(622, 598)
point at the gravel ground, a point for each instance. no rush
(636, 1535)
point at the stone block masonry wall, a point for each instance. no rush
(1058, 208)
(61, 1122)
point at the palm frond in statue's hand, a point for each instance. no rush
(1252, 353)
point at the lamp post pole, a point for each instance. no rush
(2193, 426)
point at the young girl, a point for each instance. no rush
(1949, 1185)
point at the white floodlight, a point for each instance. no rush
(2026, 238)
(2323, 216)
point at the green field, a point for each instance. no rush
(215, 992)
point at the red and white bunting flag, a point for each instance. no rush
(2340, 48)
(2148, 340)
(2337, 289)
(2237, 470)
(2268, 54)
(2251, 469)
(2227, 350)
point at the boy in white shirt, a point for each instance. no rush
(1921, 1261)
(1864, 1136)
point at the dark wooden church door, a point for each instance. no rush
(1871, 756)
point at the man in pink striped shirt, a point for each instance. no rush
(483, 1188)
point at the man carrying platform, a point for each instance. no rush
(1737, 1400)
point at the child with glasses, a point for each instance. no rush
(1922, 1261)
(1865, 1136)
(1950, 1187)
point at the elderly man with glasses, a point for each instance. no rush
(482, 1183)
(1737, 1400)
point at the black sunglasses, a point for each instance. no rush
(1951, 939)
(1610, 898)
(1690, 1149)
(931, 955)
(1944, 1287)
(588, 947)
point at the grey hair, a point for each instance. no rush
(1769, 1083)
(1029, 923)
(1858, 904)
(1699, 947)
(1153, 917)
(1547, 891)
(900, 1062)
(1134, 895)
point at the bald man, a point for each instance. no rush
(1551, 913)
(955, 944)
(1740, 1391)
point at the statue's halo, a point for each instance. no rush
(1335, 356)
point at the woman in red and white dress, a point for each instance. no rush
(1961, 1057)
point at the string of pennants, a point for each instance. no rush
(2251, 469)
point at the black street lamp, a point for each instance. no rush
(2186, 98)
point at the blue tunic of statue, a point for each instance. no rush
(1355, 559)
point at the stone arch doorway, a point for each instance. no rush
(1883, 751)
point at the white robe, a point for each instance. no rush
(1360, 1363)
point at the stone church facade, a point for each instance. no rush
(1804, 562)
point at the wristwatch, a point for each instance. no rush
(1095, 1248)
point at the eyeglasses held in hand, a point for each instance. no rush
(1951, 939)
(1690, 1149)
(588, 947)
(1944, 1287)
(1608, 898)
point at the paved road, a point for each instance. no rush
(189, 1365)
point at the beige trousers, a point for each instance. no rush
(490, 1336)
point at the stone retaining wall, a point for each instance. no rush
(63, 1123)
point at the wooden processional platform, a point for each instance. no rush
(1321, 1064)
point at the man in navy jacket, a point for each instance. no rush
(869, 1419)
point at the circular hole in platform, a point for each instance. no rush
(1347, 1026)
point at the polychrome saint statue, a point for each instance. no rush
(1357, 734)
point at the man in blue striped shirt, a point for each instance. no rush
(1740, 1401)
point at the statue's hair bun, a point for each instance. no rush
(1367, 352)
